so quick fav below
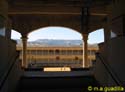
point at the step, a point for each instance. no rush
(36, 81)
(56, 83)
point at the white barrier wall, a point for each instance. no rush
(8, 56)
(116, 57)
(113, 53)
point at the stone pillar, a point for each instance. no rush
(3, 12)
(2, 22)
(8, 29)
(107, 30)
(85, 48)
(118, 17)
(24, 51)
(3, 16)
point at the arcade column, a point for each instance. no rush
(85, 48)
(24, 51)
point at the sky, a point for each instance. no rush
(60, 33)
(54, 33)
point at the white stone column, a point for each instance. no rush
(24, 51)
(85, 48)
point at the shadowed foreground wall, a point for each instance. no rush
(8, 57)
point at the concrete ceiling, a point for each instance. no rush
(28, 15)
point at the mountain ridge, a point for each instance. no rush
(53, 42)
